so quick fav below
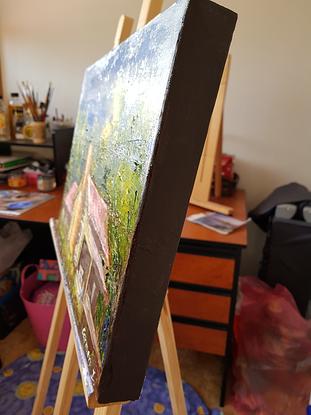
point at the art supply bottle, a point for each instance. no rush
(15, 100)
(16, 116)
(46, 182)
(3, 123)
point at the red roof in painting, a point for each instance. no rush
(98, 216)
(70, 196)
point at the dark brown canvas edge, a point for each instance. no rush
(204, 43)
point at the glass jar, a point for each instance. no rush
(15, 100)
(17, 179)
(46, 182)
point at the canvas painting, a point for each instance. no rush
(143, 115)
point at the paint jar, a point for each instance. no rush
(17, 179)
(38, 131)
(46, 182)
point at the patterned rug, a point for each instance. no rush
(18, 384)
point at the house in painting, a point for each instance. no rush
(88, 241)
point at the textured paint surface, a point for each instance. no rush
(115, 138)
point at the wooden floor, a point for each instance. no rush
(200, 370)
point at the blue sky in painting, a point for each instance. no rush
(137, 58)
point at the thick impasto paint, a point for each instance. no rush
(112, 163)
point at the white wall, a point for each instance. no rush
(268, 106)
(44, 41)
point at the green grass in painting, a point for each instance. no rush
(119, 171)
(124, 208)
(100, 310)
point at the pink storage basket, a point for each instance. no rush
(40, 315)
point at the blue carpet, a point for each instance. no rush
(18, 384)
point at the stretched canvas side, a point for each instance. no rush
(202, 50)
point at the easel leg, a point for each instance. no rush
(67, 380)
(218, 181)
(109, 410)
(149, 9)
(170, 359)
(50, 351)
(124, 29)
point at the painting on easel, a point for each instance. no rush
(144, 111)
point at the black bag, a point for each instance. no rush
(287, 252)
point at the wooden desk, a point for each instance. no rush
(37, 220)
(203, 285)
(41, 213)
(204, 278)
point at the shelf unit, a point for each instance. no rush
(27, 143)
(60, 143)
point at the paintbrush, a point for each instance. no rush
(31, 101)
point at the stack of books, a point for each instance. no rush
(8, 163)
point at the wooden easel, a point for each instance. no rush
(150, 8)
(70, 367)
(211, 156)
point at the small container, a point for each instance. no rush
(18, 122)
(3, 121)
(16, 116)
(46, 182)
(32, 177)
(15, 99)
(38, 131)
(17, 179)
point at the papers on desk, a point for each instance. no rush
(217, 222)
(17, 202)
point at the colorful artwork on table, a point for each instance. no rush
(143, 115)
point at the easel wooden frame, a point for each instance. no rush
(70, 367)
(150, 8)
(211, 156)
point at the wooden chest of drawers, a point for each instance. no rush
(201, 294)
(203, 285)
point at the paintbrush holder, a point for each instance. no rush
(38, 130)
